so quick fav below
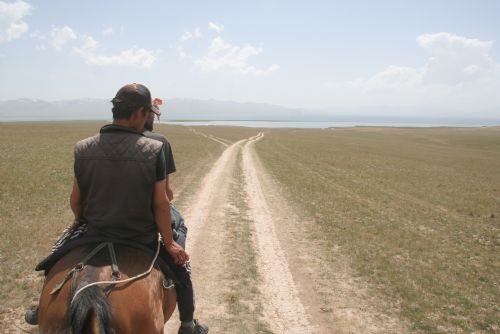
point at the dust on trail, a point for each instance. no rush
(282, 303)
(292, 291)
(202, 203)
(204, 239)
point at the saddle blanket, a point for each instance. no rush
(68, 242)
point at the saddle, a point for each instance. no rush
(115, 272)
(100, 243)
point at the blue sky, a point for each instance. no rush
(427, 57)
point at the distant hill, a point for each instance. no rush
(31, 109)
(173, 109)
(189, 109)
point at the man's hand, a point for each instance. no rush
(164, 221)
(177, 253)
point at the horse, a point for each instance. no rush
(71, 303)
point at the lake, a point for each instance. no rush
(325, 125)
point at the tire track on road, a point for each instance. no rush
(211, 137)
(204, 217)
(283, 307)
(197, 213)
(207, 216)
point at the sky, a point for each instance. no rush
(401, 57)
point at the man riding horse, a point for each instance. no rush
(119, 192)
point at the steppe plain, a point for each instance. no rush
(352, 230)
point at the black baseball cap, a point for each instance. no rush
(134, 95)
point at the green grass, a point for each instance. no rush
(416, 210)
(36, 172)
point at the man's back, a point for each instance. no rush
(116, 171)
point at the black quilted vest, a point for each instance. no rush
(116, 173)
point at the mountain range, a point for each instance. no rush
(172, 109)
(177, 109)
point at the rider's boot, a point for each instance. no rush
(193, 327)
(31, 316)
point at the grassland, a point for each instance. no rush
(36, 171)
(417, 211)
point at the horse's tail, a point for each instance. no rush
(90, 309)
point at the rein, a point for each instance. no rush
(115, 272)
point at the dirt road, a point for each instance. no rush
(255, 270)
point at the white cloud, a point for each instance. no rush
(459, 75)
(393, 76)
(455, 59)
(11, 24)
(41, 40)
(108, 30)
(445, 42)
(180, 51)
(141, 58)
(61, 36)
(223, 55)
(187, 35)
(89, 46)
(216, 27)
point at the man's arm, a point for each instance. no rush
(169, 191)
(163, 220)
(170, 166)
(74, 200)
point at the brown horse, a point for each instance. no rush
(141, 306)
